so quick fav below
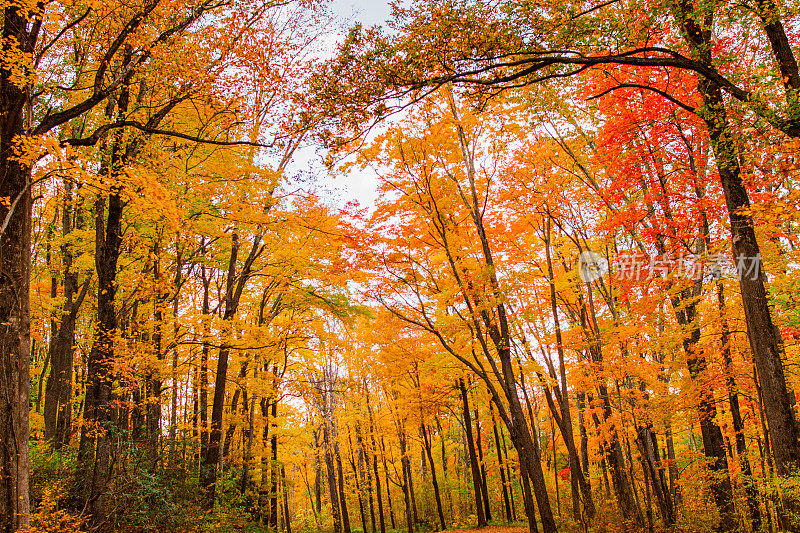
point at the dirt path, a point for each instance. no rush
(490, 529)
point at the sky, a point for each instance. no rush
(360, 186)
(365, 11)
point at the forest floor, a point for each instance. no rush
(491, 529)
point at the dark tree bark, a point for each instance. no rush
(484, 484)
(473, 459)
(375, 452)
(234, 288)
(341, 484)
(713, 442)
(206, 314)
(248, 441)
(354, 464)
(407, 479)
(19, 37)
(508, 477)
(784, 431)
(287, 516)
(100, 416)
(273, 444)
(317, 473)
(612, 447)
(437, 496)
(738, 425)
(367, 469)
(564, 415)
(100, 420)
(646, 442)
(331, 472)
(58, 392)
(388, 493)
(581, 407)
(501, 467)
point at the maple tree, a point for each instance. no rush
(571, 307)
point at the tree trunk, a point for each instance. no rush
(209, 462)
(783, 427)
(287, 517)
(233, 292)
(564, 417)
(508, 476)
(248, 450)
(436, 495)
(646, 442)
(410, 522)
(334, 495)
(206, 317)
(15, 257)
(506, 501)
(484, 484)
(738, 424)
(94, 454)
(612, 446)
(375, 452)
(342, 494)
(388, 493)
(355, 463)
(58, 392)
(713, 443)
(273, 501)
(581, 406)
(367, 466)
(473, 459)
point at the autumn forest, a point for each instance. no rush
(568, 301)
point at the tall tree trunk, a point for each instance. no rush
(248, 449)
(355, 463)
(473, 459)
(581, 407)
(94, 454)
(331, 472)
(561, 391)
(784, 431)
(342, 494)
(500, 465)
(612, 445)
(100, 417)
(646, 442)
(434, 481)
(375, 452)
(673, 463)
(738, 424)
(484, 484)
(317, 501)
(15, 257)
(273, 444)
(287, 516)
(508, 477)
(367, 469)
(388, 493)
(405, 466)
(233, 292)
(58, 392)
(206, 311)
(210, 461)
(444, 464)
(713, 443)
(498, 330)
(528, 498)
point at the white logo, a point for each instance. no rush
(591, 266)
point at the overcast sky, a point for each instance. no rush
(360, 186)
(365, 11)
